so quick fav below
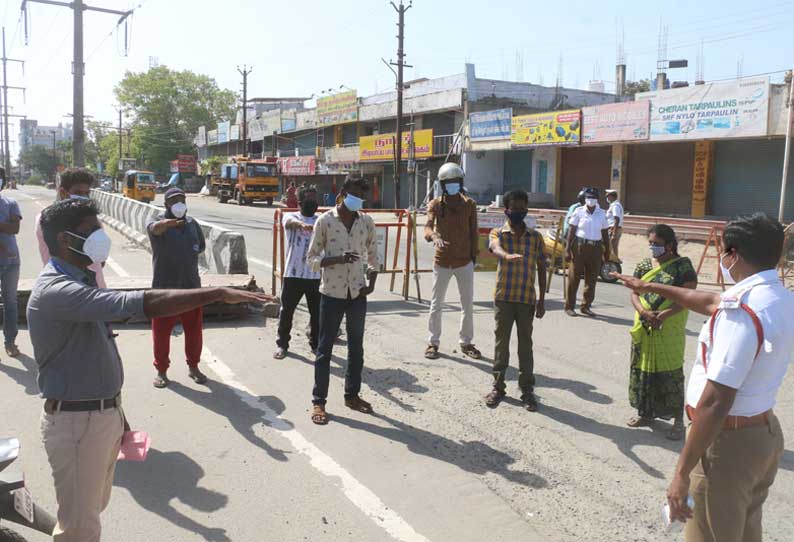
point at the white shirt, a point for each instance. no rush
(589, 226)
(615, 211)
(298, 241)
(731, 358)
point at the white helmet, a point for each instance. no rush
(450, 171)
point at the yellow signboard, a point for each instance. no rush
(380, 148)
(701, 177)
(553, 128)
(341, 108)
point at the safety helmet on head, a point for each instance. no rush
(450, 171)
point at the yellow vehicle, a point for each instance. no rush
(247, 180)
(139, 185)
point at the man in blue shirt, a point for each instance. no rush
(10, 218)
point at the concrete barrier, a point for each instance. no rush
(225, 253)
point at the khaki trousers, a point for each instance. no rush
(586, 261)
(614, 236)
(731, 482)
(82, 448)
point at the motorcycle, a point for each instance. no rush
(555, 253)
(16, 502)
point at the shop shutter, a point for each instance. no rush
(584, 166)
(659, 179)
(518, 171)
(747, 178)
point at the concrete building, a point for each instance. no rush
(31, 134)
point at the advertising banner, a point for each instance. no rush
(186, 163)
(234, 132)
(298, 165)
(553, 128)
(288, 121)
(711, 111)
(223, 132)
(380, 148)
(627, 121)
(340, 108)
(212, 137)
(494, 124)
(704, 159)
(201, 137)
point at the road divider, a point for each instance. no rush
(225, 253)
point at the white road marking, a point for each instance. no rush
(263, 263)
(360, 495)
(120, 271)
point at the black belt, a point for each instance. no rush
(51, 405)
(588, 242)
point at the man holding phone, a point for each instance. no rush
(177, 241)
(342, 236)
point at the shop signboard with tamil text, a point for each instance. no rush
(340, 108)
(212, 137)
(380, 148)
(553, 128)
(298, 165)
(487, 125)
(715, 110)
(627, 121)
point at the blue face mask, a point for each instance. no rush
(452, 188)
(353, 203)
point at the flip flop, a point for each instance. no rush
(319, 415)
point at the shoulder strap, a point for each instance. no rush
(759, 332)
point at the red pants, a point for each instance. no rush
(194, 340)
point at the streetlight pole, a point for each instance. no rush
(787, 153)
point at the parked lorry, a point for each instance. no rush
(247, 180)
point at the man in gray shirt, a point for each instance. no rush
(80, 370)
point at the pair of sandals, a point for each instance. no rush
(320, 416)
(676, 432)
(195, 374)
(431, 352)
(493, 399)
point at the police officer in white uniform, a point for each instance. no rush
(734, 443)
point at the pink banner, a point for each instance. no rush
(627, 121)
(298, 165)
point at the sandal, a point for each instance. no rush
(471, 351)
(161, 381)
(431, 352)
(358, 404)
(639, 421)
(676, 433)
(319, 416)
(493, 399)
(197, 376)
(280, 353)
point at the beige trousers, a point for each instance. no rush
(731, 483)
(82, 448)
(614, 236)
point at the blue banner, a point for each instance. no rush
(496, 124)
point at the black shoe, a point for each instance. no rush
(530, 402)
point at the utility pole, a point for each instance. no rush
(7, 144)
(120, 151)
(398, 144)
(787, 152)
(244, 72)
(78, 67)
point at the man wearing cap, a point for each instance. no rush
(588, 248)
(735, 442)
(177, 241)
(615, 221)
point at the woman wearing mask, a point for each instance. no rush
(656, 381)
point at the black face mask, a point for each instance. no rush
(516, 217)
(308, 208)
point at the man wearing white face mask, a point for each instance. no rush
(177, 241)
(75, 183)
(452, 228)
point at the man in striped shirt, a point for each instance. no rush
(520, 253)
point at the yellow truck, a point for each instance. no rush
(247, 180)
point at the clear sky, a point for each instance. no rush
(300, 47)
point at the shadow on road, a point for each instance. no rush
(26, 376)
(166, 476)
(475, 457)
(225, 401)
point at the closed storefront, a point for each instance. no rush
(659, 179)
(583, 166)
(747, 178)
(518, 170)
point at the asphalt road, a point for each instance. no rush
(240, 460)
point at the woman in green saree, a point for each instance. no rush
(658, 338)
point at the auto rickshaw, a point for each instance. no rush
(139, 185)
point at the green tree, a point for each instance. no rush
(167, 108)
(40, 159)
(633, 87)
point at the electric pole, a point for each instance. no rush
(398, 144)
(78, 68)
(244, 72)
(7, 144)
(118, 167)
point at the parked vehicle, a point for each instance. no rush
(139, 185)
(246, 180)
(16, 502)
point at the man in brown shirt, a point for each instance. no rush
(452, 227)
